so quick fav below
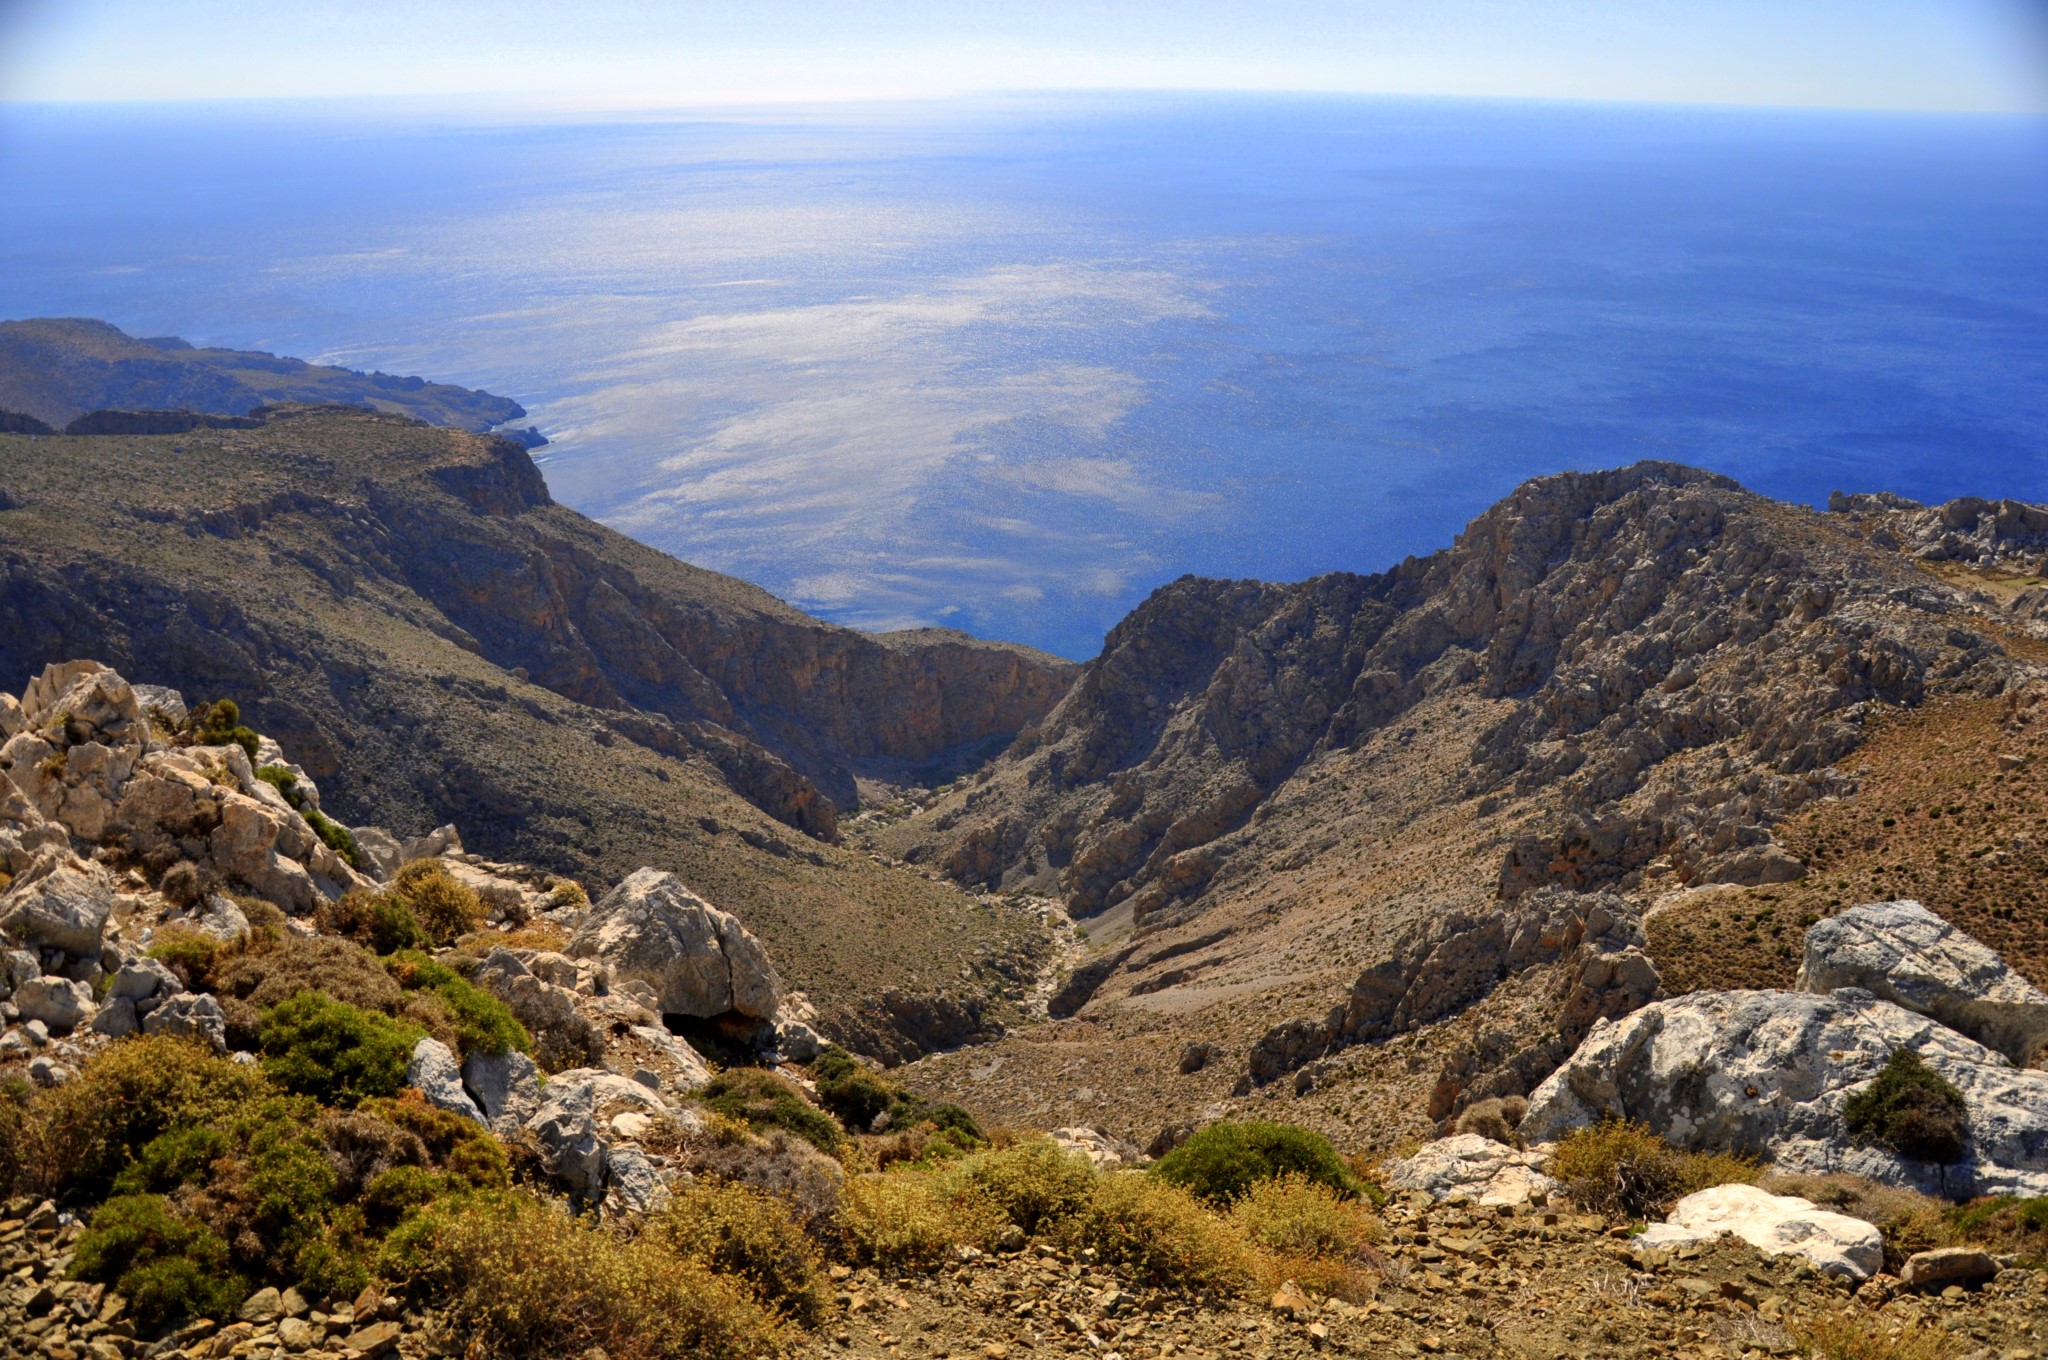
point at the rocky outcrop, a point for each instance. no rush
(1769, 1073)
(699, 960)
(1904, 953)
(1593, 941)
(1776, 1225)
(434, 1073)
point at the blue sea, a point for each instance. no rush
(1009, 364)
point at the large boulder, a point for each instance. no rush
(1768, 1073)
(699, 960)
(61, 902)
(1776, 1225)
(1467, 1166)
(61, 1004)
(562, 1035)
(84, 701)
(1905, 954)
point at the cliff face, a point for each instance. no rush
(436, 641)
(1635, 681)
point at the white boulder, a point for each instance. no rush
(1776, 1225)
(1768, 1073)
(190, 1015)
(1467, 1166)
(699, 960)
(61, 902)
(505, 1086)
(1903, 953)
(61, 1004)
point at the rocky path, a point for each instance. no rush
(1522, 1281)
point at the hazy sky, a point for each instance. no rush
(1938, 54)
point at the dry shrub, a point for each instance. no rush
(519, 1277)
(77, 1136)
(1305, 1232)
(268, 972)
(1847, 1335)
(908, 1219)
(747, 1233)
(445, 907)
(1621, 1169)
(776, 1162)
(377, 921)
(1160, 1234)
(1034, 1184)
(1498, 1119)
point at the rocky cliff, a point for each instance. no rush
(1647, 681)
(435, 640)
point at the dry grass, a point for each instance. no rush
(1850, 1335)
(1621, 1169)
(1304, 1232)
(520, 1277)
(907, 1219)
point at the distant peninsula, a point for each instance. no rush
(56, 370)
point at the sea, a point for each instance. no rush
(1008, 364)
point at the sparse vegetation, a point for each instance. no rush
(482, 1023)
(1621, 1169)
(748, 1234)
(377, 921)
(764, 1100)
(219, 724)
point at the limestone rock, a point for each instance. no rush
(1768, 1073)
(190, 1016)
(164, 700)
(1098, 1147)
(16, 967)
(92, 702)
(62, 902)
(505, 1086)
(796, 1041)
(565, 1127)
(562, 1035)
(434, 1074)
(436, 844)
(699, 960)
(219, 917)
(382, 854)
(1944, 1266)
(117, 1019)
(1777, 1225)
(1467, 1166)
(144, 978)
(1905, 954)
(61, 1004)
(633, 1179)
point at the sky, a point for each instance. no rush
(1963, 55)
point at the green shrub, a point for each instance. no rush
(219, 724)
(378, 922)
(1911, 1110)
(483, 1024)
(515, 1276)
(188, 952)
(856, 1097)
(1032, 1184)
(14, 1134)
(80, 1135)
(1221, 1162)
(337, 1053)
(739, 1231)
(445, 907)
(763, 1100)
(1160, 1234)
(169, 1268)
(951, 1119)
(1621, 1169)
(2006, 1223)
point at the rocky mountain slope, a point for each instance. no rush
(436, 641)
(54, 370)
(1304, 824)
